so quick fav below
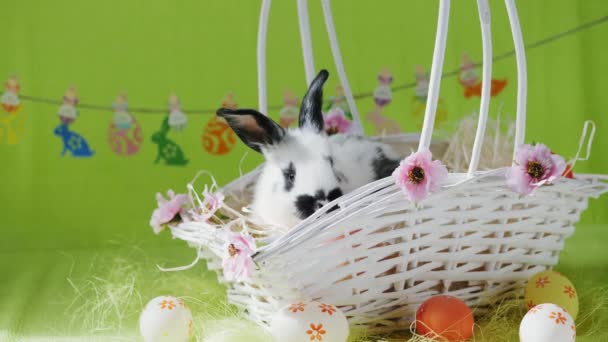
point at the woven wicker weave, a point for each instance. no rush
(379, 256)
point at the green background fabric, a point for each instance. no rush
(202, 50)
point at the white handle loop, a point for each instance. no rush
(261, 54)
(435, 78)
(486, 37)
(303, 20)
(522, 76)
(588, 123)
(182, 268)
(335, 49)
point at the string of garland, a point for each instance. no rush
(359, 96)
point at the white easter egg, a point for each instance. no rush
(547, 323)
(166, 318)
(309, 321)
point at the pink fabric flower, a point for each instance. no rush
(167, 209)
(212, 201)
(237, 262)
(418, 175)
(535, 166)
(336, 122)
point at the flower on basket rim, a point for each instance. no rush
(212, 202)
(419, 174)
(237, 262)
(535, 165)
(168, 210)
(336, 122)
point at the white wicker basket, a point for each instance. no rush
(379, 256)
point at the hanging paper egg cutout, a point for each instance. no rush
(125, 142)
(552, 287)
(547, 322)
(125, 135)
(218, 138)
(446, 318)
(67, 111)
(177, 119)
(309, 321)
(166, 318)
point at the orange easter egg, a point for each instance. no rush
(218, 138)
(445, 318)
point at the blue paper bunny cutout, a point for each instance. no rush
(73, 142)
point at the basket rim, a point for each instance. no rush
(455, 181)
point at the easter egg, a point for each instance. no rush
(309, 321)
(166, 318)
(445, 318)
(552, 287)
(125, 141)
(218, 138)
(123, 120)
(547, 323)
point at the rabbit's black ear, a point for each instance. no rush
(311, 114)
(254, 128)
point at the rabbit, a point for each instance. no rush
(168, 150)
(305, 168)
(73, 142)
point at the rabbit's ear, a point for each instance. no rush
(164, 127)
(254, 128)
(311, 115)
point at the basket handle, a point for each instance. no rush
(437, 66)
(304, 23)
(486, 81)
(435, 77)
(522, 76)
(335, 50)
(261, 57)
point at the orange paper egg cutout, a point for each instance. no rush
(445, 318)
(218, 138)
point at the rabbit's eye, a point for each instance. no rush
(290, 175)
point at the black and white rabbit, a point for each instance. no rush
(305, 168)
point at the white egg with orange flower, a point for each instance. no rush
(309, 321)
(166, 318)
(547, 323)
